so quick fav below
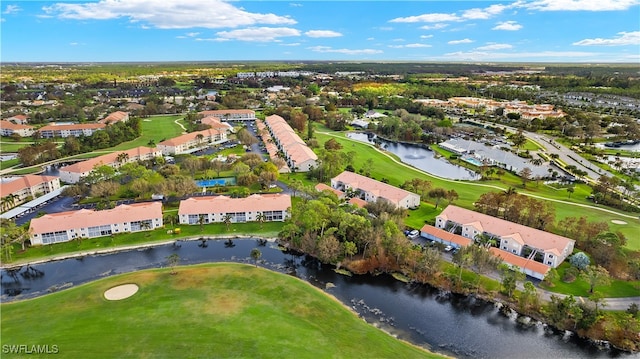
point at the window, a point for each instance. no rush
(549, 263)
(550, 255)
(193, 218)
(99, 231)
(273, 215)
(54, 237)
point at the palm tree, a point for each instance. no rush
(227, 220)
(199, 139)
(537, 161)
(122, 157)
(261, 218)
(570, 190)
(256, 254)
(145, 226)
(201, 221)
(173, 261)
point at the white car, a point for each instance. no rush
(448, 248)
(413, 234)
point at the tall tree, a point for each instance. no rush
(255, 255)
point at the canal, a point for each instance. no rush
(459, 326)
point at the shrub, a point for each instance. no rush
(570, 275)
(580, 261)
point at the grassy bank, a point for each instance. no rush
(269, 229)
(470, 191)
(204, 311)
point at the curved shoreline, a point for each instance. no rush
(124, 249)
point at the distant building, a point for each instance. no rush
(298, 155)
(66, 130)
(192, 141)
(9, 128)
(75, 172)
(118, 116)
(230, 115)
(371, 190)
(212, 209)
(19, 119)
(28, 186)
(85, 223)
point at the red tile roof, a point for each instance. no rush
(521, 262)
(115, 117)
(108, 159)
(323, 187)
(446, 236)
(70, 127)
(21, 183)
(188, 137)
(221, 113)
(377, 188)
(217, 204)
(505, 229)
(14, 126)
(358, 202)
(85, 218)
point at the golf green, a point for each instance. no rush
(205, 311)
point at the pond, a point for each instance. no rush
(419, 157)
(459, 326)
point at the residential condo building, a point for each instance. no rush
(212, 209)
(86, 223)
(371, 190)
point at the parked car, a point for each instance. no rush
(448, 248)
(413, 234)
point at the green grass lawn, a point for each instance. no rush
(157, 128)
(580, 287)
(470, 191)
(268, 229)
(12, 147)
(204, 311)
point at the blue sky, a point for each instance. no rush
(591, 31)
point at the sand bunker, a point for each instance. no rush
(617, 221)
(121, 292)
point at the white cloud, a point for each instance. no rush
(507, 26)
(426, 36)
(295, 4)
(291, 44)
(493, 46)
(497, 56)
(580, 5)
(257, 34)
(188, 35)
(463, 41)
(12, 9)
(624, 38)
(370, 38)
(164, 14)
(322, 33)
(384, 28)
(73, 43)
(434, 27)
(409, 46)
(327, 49)
(435, 17)
(483, 14)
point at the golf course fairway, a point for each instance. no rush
(220, 310)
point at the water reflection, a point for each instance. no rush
(460, 326)
(419, 157)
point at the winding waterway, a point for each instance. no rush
(455, 325)
(419, 157)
